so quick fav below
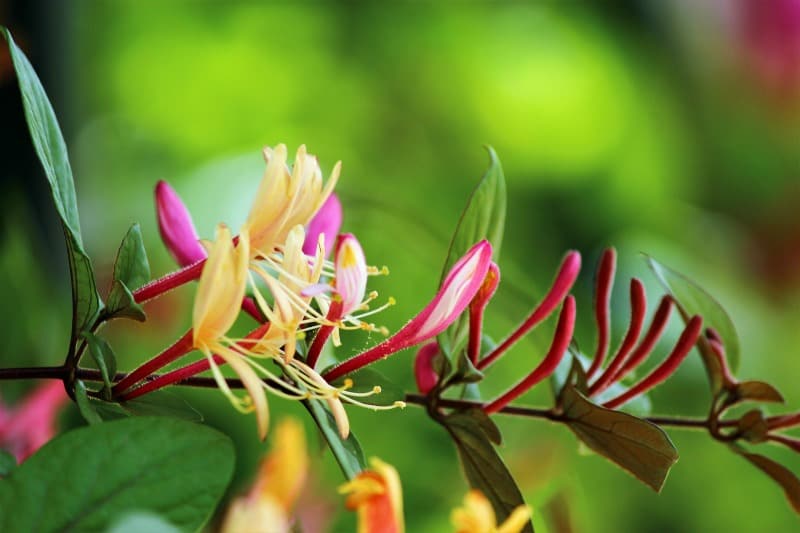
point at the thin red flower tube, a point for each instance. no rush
(638, 311)
(565, 279)
(476, 309)
(685, 343)
(181, 347)
(559, 346)
(602, 306)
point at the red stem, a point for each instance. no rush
(685, 343)
(169, 282)
(561, 340)
(789, 442)
(783, 421)
(602, 306)
(638, 311)
(565, 278)
(657, 326)
(324, 332)
(181, 347)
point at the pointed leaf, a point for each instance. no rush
(347, 452)
(756, 391)
(131, 266)
(121, 304)
(483, 218)
(52, 152)
(483, 467)
(637, 446)
(779, 473)
(691, 299)
(104, 358)
(91, 476)
(85, 405)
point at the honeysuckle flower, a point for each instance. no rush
(376, 495)
(456, 292)
(28, 426)
(326, 222)
(176, 226)
(286, 198)
(477, 516)
(268, 506)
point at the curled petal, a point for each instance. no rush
(424, 373)
(457, 290)
(326, 222)
(176, 226)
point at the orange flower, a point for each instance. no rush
(377, 497)
(477, 516)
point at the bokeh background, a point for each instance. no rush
(662, 127)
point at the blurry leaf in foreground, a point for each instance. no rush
(635, 445)
(175, 469)
(347, 452)
(52, 152)
(7, 463)
(483, 467)
(779, 473)
(691, 300)
(137, 522)
(483, 218)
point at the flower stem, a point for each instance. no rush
(181, 347)
(169, 282)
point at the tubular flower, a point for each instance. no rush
(477, 516)
(377, 497)
(286, 197)
(326, 222)
(176, 226)
(268, 506)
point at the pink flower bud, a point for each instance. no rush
(351, 273)
(176, 226)
(424, 373)
(26, 428)
(327, 221)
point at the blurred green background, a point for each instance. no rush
(661, 127)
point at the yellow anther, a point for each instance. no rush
(348, 383)
(401, 405)
(391, 301)
(377, 389)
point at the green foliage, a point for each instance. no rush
(636, 445)
(104, 358)
(87, 410)
(52, 152)
(473, 433)
(347, 452)
(131, 271)
(7, 463)
(483, 218)
(691, 299)
(88, 478)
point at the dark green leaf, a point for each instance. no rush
(131, 266)
(162, 403)
(8, 463)
(121, 303)
(366, 379)
(138, 522)
(347, 452)
(779, 473)
(693, 300)
(89, 477)
(753, 427)
(466, 372)
(104, 358)
(483, 218)
(52, 152)
(636, 445)
(483, 467)
(85, 406)
(756, 391)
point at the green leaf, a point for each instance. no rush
(131, 266)
(85, 405)
(693, 300)
(366, 379)
(483, 467)
(483, 218)
(122, 304)
(137, 522)
(755, 391)
(347, 452)
(52, 152)
(779, 473)
(636, 445)
(87, 478)
(8, 463)
(162, 403)
(104, 358)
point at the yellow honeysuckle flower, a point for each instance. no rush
(377, 497)
(286, 198)
(477, 516)
(267, 507)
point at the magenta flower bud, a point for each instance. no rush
(326, 222)
(176, 226)
(28, 426)
(424, 373)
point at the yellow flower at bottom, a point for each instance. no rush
(377, 497)
(477, 516)
(267, 508)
